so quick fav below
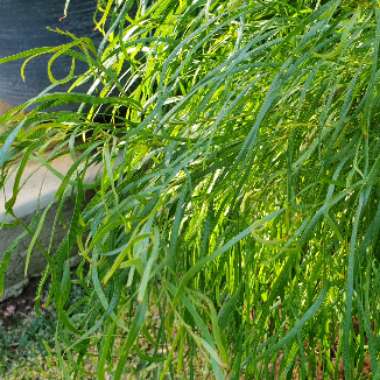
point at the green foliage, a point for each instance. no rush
(234, 231)
(24, 344)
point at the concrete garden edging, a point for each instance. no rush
(39, 186)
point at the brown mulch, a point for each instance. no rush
(18, 307)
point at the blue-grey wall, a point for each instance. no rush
(23, 26)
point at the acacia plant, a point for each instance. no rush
(234, 229)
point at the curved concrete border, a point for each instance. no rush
(38, 188)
